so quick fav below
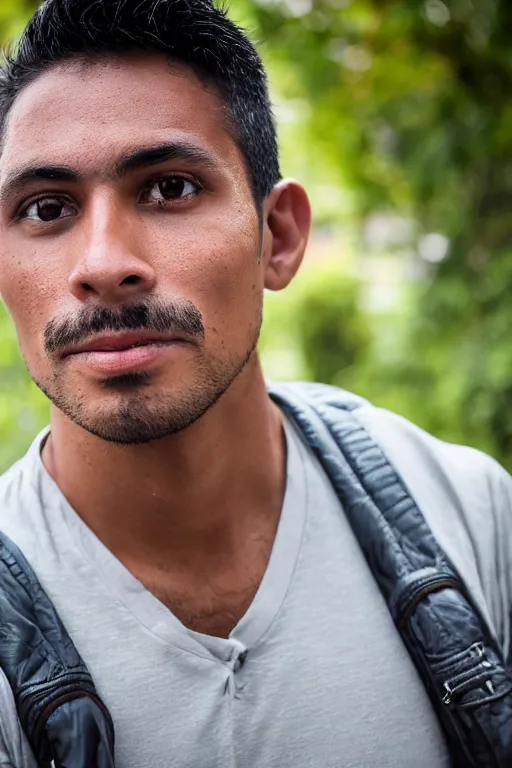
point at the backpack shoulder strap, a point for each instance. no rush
(457, 657)
(66, 723)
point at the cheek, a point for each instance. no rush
(229, 285)
(26, 289)
(25, 276)
(219, 270)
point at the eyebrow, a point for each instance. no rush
(147, 156)
(19, 179)
(140, 158)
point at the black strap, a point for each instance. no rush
(58, 706)
(458, 659)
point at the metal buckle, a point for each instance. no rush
(447, 698)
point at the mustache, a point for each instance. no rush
(180, 316)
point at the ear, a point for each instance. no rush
(287, 221)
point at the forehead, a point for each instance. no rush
(85, 113)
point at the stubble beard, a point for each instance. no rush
(142, 413)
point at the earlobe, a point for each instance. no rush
(288, 221)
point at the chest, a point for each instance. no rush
(326, 685)
(212, 597)
(326, 680)
(210, 609)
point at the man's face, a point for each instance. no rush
(133, 213)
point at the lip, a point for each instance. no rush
(116, 361)
(111, 354)
(122, 341)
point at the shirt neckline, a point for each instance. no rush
(154, 615)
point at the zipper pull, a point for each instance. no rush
(447, 698)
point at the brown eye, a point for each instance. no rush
(171, 188)
(47, 209)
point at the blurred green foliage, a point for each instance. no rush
(315, 330)
(383, 106)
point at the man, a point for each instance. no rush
(187, 534)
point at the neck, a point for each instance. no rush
(192, 495)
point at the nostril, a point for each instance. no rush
(131, 280)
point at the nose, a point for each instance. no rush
(111, 265)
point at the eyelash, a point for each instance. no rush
(21, 212)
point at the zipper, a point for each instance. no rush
(453, 676)
(461, 661)
(469, 668)
(472, 674)
(464, 757)
(470, 683)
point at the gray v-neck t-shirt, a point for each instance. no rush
(315, 674)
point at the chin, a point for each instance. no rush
(137, 414)
(140, 407)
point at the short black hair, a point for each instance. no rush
(195, 32)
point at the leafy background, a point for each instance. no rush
(397, 116)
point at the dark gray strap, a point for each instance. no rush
(57, 703)
(463, 669)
